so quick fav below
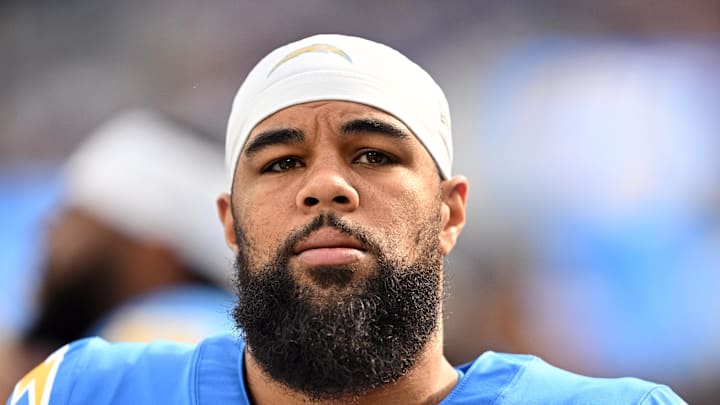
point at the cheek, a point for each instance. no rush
(264, 224)
(402, 213)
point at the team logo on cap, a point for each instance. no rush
(319, 48)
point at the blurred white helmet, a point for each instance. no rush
(156, 182)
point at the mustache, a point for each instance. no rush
(331, 220)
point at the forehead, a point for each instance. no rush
(343, 118)
(337, 112)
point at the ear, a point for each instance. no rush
(454, 199)
(225, 213)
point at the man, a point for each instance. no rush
(340, 212)
(124, 260)
(132, 231)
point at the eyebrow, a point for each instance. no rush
(286, 136)
(369, 125)
(282, 136)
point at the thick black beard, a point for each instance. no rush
(353, 343)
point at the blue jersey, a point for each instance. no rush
(93, 371)
(181, 313)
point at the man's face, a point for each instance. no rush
(339, 222)
(374, 173)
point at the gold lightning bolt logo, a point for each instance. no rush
(38, 382)
(321, 48)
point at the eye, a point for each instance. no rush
(373, 157)
(283, 165)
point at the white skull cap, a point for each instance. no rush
(155, 182)
(346, 68)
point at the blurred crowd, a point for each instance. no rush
(588, 131)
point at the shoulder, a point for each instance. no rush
(185, 313)
(95, 371)
(496, 378)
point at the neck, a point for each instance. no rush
(429, 381)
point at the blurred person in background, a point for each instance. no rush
(133, 252)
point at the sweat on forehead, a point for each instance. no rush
(346, 68)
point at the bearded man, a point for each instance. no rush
(340, 211)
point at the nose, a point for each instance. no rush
(326, 188)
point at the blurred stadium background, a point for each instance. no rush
(589, 131)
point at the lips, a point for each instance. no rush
(327, 247)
